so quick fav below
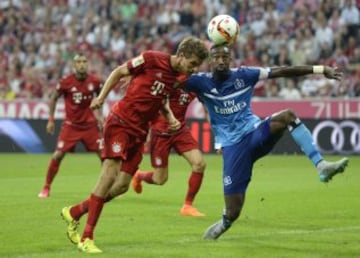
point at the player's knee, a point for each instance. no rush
(160, 180)
(120, 189)
(58, 155)
(289, 115)
(199, 165)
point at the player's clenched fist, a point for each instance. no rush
(174, 125)
(96, 103)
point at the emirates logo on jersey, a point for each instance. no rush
(116, 147)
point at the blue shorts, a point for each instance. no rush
(238, 159)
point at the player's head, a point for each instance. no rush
(190, 53)
(80, 65)
(220, 59)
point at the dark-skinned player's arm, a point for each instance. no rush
(291, 71)
(114, 77)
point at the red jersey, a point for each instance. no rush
(178, 104)
(77, 97)
(153, 80)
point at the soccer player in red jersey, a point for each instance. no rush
(81, 124)
(161, 143)
(154, 77)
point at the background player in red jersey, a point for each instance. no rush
(155, 76)
(80, 123)
(161, 143)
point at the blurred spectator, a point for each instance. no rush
(290, 92)
(350, 13)
(40, 36)
(324, 37)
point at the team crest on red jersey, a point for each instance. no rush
(116, 147)
(60, 144)
(158, 161)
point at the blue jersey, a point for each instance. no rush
(228, 102)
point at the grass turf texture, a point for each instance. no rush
(288, 212)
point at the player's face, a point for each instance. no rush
(189, 65)
(220, 59)
(80, 64)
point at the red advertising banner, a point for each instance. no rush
(314, 109)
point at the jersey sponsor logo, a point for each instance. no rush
(116, 147)
(230, 107)
(135, 62)
(342, 137)
(157, 88)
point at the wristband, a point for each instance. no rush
(318, 69)
(51, 119)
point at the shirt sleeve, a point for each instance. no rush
(60, 87)
(137, 64)
(253, 74)
(192, 84)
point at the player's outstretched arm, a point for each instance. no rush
(111, 81)
(294, 71)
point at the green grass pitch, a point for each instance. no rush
(288, 212)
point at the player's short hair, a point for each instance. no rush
(215, 48)
(192, 45)
(79, 54)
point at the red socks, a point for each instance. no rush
(95, 207)
(195, 181)
(51, 172)
(82, 208)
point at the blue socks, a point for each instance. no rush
(304, 140)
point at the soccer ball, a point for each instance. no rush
(223, 29)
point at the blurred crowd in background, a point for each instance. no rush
(39, 37)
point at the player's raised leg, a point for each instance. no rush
(302, 136)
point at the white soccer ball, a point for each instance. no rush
(223, 29)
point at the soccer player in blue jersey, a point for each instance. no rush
(241, 136)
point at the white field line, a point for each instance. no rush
(302, 231)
